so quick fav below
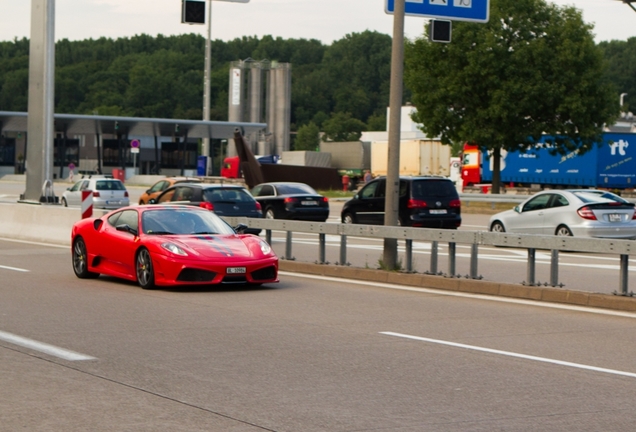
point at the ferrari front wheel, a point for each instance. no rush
(145, 272)
(80, 260)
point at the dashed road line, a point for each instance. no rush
(513, 354)
(43, 347)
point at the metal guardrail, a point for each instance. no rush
(511, 198)
(530, 242)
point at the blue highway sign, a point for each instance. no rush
(456, 10)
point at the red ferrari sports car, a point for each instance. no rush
(170, 245)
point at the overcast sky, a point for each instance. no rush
(325, 20)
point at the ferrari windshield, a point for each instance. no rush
(180, 220)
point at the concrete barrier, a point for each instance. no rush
(14, 178)
(40, 223)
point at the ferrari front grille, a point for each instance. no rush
(234, 279)
(264, 273)
(195, 275)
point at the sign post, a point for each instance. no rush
(461, 10)
(134, 149)
(207, 72)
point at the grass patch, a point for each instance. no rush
(337, 193)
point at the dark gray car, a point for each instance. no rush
(429, 202)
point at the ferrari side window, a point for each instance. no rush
(112, 220)
(130, 218)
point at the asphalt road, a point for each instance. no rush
(307, 354)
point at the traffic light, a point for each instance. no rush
(193, 12)
(440, 31)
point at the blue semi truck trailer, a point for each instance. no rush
(610, 165)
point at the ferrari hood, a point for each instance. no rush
(216, 246)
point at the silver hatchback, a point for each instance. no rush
(570, 212)
(108, 193)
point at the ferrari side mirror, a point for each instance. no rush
(240, 228)
(126, 228)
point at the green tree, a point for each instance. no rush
(621, 58)
(358, 68)
(308, 137)
(342, 127)
(532, 69)
(377, 122)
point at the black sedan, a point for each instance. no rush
(298, 201)
(222, 199)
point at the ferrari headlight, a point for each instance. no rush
(265, 247)
(173, 248)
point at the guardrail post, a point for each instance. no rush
(434, 250)
(409, 255)
(343, 250)
(532, 253)
(554, 268)
(321, 240)
(288, 247)
(451, 259)
(268, 236)
(474, 251)
(623, 276)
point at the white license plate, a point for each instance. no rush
(113, 202)
(309, 202)
(437, 211)
(235, 270)
(615, 217)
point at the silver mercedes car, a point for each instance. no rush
(570, 212)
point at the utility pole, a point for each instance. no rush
(40, 127)
(206, 84)
(395, 113)
(193, 13)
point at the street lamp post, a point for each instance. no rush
(206, 80)
(205, 151)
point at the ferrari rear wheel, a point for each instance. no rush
(80, 260)
(145, 272)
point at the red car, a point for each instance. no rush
(170, 245)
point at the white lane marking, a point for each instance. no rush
(513, 354)
(38, 243)
(43, 347)
(465, 295)
(14, 269)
